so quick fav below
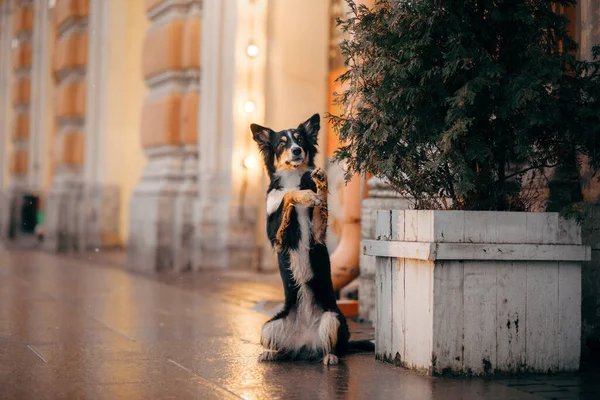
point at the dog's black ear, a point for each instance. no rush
(262, 136)
(311, 126)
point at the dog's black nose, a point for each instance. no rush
(296, 151)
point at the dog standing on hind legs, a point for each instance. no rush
(310, 326)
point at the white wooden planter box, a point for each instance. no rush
(478, 292)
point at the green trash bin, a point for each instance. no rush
(29, 211)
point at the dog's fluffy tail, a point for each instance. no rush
(360, 346)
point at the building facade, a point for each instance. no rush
(129, 121)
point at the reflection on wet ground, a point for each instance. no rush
(70, 329)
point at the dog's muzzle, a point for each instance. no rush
(297, 156)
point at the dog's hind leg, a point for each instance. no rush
(320, 213)
(273, 334)
(328, 336)
(270, 355)
(274, 338)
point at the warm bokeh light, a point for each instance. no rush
(252, 50)
(249, 106)
(250, 162)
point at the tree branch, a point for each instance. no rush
(529, 169)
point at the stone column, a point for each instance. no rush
(22, 27)
(5, 113)
(99, 209)
(69, 67)
(42, 85)
(225, 214)
(166, 68)
(183, 227)
(113, 91)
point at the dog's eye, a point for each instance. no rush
(281, 144)
(299, 140)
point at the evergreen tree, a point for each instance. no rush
(461, 99)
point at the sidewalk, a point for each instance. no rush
(72, 329)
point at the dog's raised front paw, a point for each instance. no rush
(311, 199)
(330, 359)
(319, 177)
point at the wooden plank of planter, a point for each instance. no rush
(476, 251)
(383, 294)
(412, 250)
(479, 304)
(398, 351)
(569, 290)
(511, 315)
(449, 318)
(542, 336)
(383, 298)
(418, 314)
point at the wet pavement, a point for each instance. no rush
(75, 329)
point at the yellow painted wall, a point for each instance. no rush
(124, 158)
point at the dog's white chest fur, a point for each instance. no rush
(299, 258)
(289, 180)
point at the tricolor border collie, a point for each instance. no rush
(311, 326)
